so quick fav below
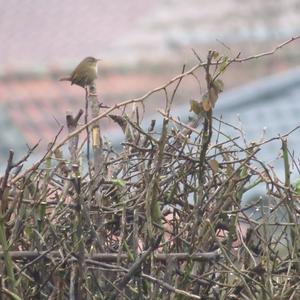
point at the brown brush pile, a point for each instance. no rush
(159, 219)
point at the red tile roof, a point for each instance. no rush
(37, 107)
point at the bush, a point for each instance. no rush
(161, 218)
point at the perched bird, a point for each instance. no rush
(85, 73)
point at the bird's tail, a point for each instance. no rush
(64, 79)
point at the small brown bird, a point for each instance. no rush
(85, 73)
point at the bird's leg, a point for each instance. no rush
(87, 128)
(92, 89)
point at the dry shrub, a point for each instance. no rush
(160, 218)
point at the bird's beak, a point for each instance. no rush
(98, 59)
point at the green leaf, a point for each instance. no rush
(155, 211)
(297, 187)
(215, 54)
(223, 64)
(119, 182)
(218, 85)
(196, 107)
(28, 231)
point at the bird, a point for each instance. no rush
(85, 73)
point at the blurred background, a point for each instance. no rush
(142, 44)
